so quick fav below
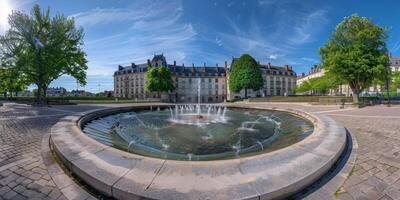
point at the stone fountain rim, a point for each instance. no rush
(90, 161)
(307, 116)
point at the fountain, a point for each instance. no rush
(199, 131)
(167, 142)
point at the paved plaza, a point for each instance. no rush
(26, 171)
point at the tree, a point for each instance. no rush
(303, 87)
(11, 81)
(395, 83)
(159, 79)
(245, 74)
(43, 48)
(356, 53)
(322, 85)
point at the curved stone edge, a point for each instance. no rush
(64, 183)
(340, 173)
(124, 175)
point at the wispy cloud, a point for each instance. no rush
(266, 2)
(218, 41)
(306, 25)
(395, 47)
(278, 41)
(311, 60)
(148, 27)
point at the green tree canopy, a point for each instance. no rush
(356, 53)
(245, 74)
(321, 85)
(43, 48)
(11, 80)
(159, 79)
(395, 83)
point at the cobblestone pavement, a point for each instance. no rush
(22, 172)
(376, 174)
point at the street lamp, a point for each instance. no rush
(387, 71)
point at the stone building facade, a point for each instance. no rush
(130, 81)
(209, 81)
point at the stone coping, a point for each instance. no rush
(124, 175)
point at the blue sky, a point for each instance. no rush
(191, 31)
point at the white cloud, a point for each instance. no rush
(273, 56)
(149, 27)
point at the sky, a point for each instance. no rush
(208, 31)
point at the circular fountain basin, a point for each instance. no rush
(266, 175)
(199, 132)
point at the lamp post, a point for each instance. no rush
(387, 71)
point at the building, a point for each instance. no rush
(278, 81)
(190, 81)
(130, 81)
(56, 92)
(80, 93)
(395, 64)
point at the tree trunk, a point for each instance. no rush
(355, 98)
(45, 94)
(245, 93)
(39, 99)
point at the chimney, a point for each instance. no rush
(269, 65)
(120, 67)
(192, 64)
(193, 68)
(133, 65)
(226, 66)
(204, 64)
(148, 62)
(183, 64)
(302, 74)
(287, 67)
(174, 62)
(216, 65)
